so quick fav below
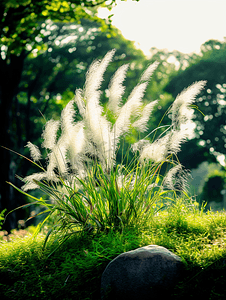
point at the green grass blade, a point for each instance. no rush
(22, 192)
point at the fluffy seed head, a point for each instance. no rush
(29, 181)
(80, 102)
(57, 157)
(94, 76)
(95, 137)
(149, 71)
(176, 178)
(180, 109)
(50, 134)
(116, 89)
(156, 151)
(141, 123)
(35, 152)
(67, 117)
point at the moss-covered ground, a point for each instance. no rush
(74, 270)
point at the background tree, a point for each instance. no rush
(21, 32)
(213, 187)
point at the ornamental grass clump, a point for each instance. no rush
(87, 189)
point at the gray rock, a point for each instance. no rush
(149, 272)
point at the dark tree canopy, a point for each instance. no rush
(21, 21)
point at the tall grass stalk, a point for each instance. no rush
(87, 190)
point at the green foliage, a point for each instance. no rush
(21, 21)
(2, 217)
(110, 202)
(214, 185)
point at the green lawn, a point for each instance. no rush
(74, 270)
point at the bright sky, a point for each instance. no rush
(173, 24)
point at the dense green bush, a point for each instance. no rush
(213, 187)
(2, 217)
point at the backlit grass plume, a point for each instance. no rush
(87, 189)
(95, 136)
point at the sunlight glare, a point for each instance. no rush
(169, 24)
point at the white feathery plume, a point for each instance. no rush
(188, 127)
(181, 130)
(185, 115)
(101, 136)
(141, 123)
(50, 134)
(108, 146)
(52, 165)
(67, 117)
(170, 177)
(57, 158)
(29, 186)
(138, 146)
(94, 76)
(96, 136)
(76, 144)
(132, 106)
(136, 95)
(156, 151)
(116, 89)
(177, 138)
(176, 178)
(29, 181)
(98, 128)
(60, 155)
(50, 173)
(72, 140)
(77, 139)
(180, 107)
(35, 152)
(182, 116)
(149, 71)
(80, 102)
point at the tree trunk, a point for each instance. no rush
(11, 70)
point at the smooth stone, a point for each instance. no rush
(148, 273)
